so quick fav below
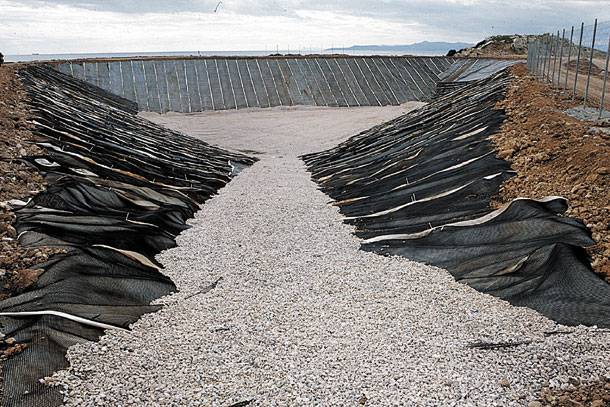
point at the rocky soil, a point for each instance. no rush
(17, 181)
(556, 154)
(514, 46)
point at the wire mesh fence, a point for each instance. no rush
(575, 60)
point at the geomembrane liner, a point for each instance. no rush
(120, 189)
(420, 186)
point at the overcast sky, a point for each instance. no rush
(74, 26)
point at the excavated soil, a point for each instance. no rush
(17, 181)
(555, 154)
(593, 395)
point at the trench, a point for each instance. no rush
(418, 186)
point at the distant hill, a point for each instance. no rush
(425, 47)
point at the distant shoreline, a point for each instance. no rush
(109, 55)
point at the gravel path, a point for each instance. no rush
(301, 316)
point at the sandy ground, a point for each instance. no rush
(300, 316)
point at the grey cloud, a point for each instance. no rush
(466, 19)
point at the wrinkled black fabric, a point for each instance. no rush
(120, 189)
(404, 184)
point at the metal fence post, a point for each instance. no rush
(582, 29)
(554, 56)
(539, 56)
(565, 87)
(534, 58)
(537, 52)
(544, 52)
(563, 40)
(590, 62)
(548, 57)
(529, 56)
(603, 100)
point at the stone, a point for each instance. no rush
(603, 171)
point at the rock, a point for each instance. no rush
(534, 403)
(11, 232)
(597, 403)
(506, 153)
(603, 171)
(504, 382)
(592, 178)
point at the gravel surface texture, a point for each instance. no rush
(301, 316)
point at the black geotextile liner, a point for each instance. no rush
(191, 85)
(420, 186)
(120, 189)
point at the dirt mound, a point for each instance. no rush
(554, 154)
(595, 394)
(583, 68)
(17, 181)
(498, 46)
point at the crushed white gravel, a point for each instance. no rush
(301, 316)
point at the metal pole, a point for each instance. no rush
(538, 58)
(535, 56)
(543, 56)
(549, 74)
(563, 40)
(541, 51)
(582, 29)
(555, 58)
(529, 57)
(547, 53)
(565, 86)
(601, 105)
(548, 57)
(590, 62)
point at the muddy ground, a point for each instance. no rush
(555, 154)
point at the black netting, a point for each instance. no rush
(120, 189)
(420, 186)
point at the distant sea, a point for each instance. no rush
(51, 57)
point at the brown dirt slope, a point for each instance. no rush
(553, 154)
(17, 181)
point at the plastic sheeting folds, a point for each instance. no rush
(420, 186)
(120, 190)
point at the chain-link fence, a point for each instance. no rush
(576, 61)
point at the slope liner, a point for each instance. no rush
(211, 83)
(420, 186)
(120, 190)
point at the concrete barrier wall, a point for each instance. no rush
(194, 85)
